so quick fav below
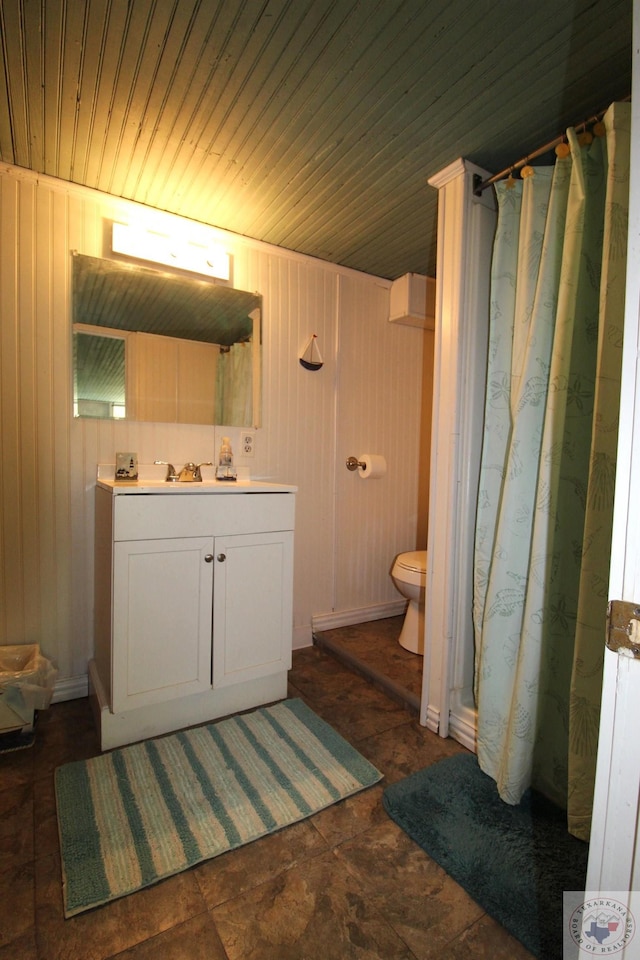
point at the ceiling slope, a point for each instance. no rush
(310, 124)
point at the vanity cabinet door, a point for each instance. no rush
(162, 594)
(252, 606)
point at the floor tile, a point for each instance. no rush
(46, 840)
(354, 708)
(65, 733)
(114, 927)
(196, 939)
(399, 752)
(238, 871)
(24, 948)
(374, 649)
(485, 940)
(425, 907)
(16, 825)
(17, 917)
(17, 767)
(350, 817)
(316, 911)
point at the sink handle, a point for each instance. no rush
(191, 471)
(205, 463)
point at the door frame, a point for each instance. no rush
(614, 851)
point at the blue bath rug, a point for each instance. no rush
(515, 861)
(131, 817)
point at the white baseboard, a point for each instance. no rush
(463, 732)
(462, 725)
(433, 719)
(463, 719)
(71, 688)
(344, 618)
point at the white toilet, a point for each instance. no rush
(409, 574)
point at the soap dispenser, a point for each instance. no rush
(225, 469)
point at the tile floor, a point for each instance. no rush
(347, 883)
(372, 649)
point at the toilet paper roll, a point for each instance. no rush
(375, 466)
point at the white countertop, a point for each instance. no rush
(149, 482)
(202, 487)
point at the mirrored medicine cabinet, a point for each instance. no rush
(152, 345)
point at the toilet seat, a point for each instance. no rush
(414, 560)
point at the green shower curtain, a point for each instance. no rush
(545, 503)
(234, 386)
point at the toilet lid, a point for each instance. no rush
(414, 560)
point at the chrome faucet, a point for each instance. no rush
(171, 476)
(191, 471)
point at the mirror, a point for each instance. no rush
(161, 346)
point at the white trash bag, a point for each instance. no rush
(27, 679)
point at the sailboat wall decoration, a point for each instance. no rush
(311, 358)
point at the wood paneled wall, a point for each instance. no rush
(366, 398)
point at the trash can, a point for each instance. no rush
(27, 681)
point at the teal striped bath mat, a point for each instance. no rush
(136, 815)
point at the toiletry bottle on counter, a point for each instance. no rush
(225, 469)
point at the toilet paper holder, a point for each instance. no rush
(353, 463)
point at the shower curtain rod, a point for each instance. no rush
(479, 185)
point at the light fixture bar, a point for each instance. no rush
(211, 260)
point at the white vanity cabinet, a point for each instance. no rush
(193, 604)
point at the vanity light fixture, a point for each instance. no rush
(185, 254)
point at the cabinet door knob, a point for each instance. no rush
(208, 558)
(222, 557)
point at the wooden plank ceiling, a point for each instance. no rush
(311, 124)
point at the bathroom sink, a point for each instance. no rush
(152, 479)
(200, 487)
